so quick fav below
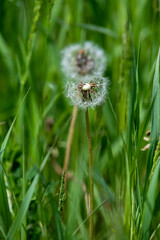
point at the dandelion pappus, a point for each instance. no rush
(83, 60)
(87, 92)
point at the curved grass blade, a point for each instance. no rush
(50, 105)
(25, 203)
(101, 204)
(99, 29)
(3, 234)
(155, 120)
(152, 236)
(90, 27)
(10, 129)
(150, 203)
(102, 182)
(4, 205)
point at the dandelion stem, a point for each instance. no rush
(69, 142)
(91, 183)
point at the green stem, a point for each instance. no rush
(91, 183)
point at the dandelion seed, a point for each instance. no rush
(83, 60)
(88, 92)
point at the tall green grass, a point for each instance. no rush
(34, 125)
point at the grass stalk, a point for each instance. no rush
(91, 183)
(69, 142)
(24, 227)
(155, 160)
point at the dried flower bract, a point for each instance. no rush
(84, 63)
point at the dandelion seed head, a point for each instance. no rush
(89, 92)
(83, 60)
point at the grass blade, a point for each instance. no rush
(155, 120)
(85, 220)
(4, 209)
(150, 203)
(25, 204)
(99, 29)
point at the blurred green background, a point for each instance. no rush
(32, 34)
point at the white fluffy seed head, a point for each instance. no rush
(92, 51)
(86, 87)
(97, 97)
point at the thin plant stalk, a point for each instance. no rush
(91, 183)
(69, 142)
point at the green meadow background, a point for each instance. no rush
(35, 118)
